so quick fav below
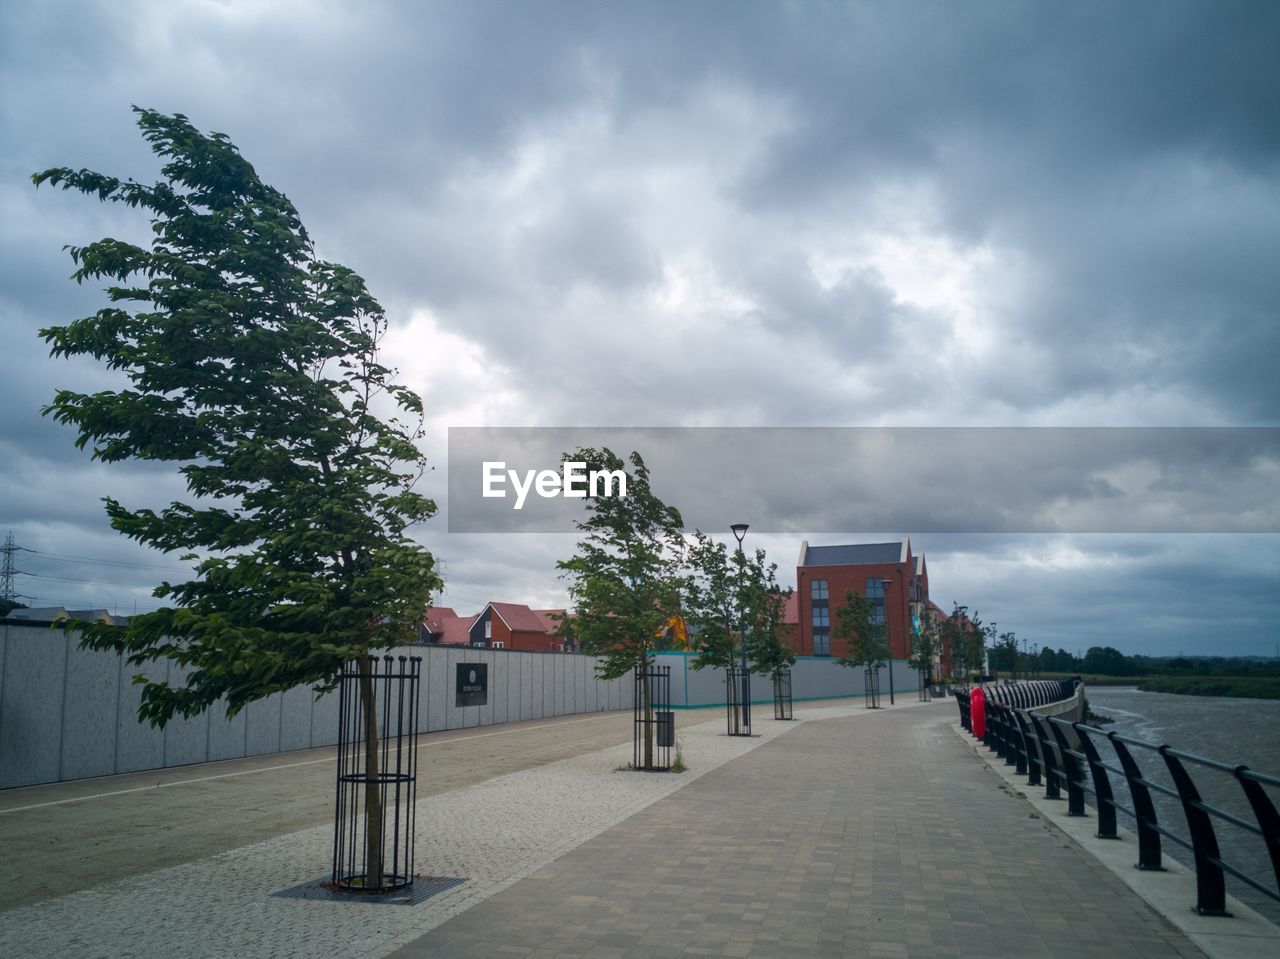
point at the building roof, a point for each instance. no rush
(446, 627)
(436, 616)
(456, 631)
(58, 614)
(550, 620)
(39, 614)
(519, 617)
(859, 554)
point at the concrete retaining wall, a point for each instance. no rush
(69, 713)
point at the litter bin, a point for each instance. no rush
(666, 727)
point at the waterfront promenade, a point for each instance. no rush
(849, 832)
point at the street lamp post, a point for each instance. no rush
(884, 589)
(960, 639)
(739, 532)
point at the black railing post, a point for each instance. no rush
(1070, 769)
(1047, 755)
(1144, 809)
(1265, 812)
(1033, 759)
(1211, 888)
(1010, 739)
(1020, 747)
(1101, 784)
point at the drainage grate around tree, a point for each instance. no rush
(323, 890)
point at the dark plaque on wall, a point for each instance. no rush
(473, 684)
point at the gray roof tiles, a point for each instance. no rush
(853, 555)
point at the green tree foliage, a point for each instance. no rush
(625, 577)
(716, 601)
(768, 653)
(925, 643)
(964, 637)
(855, 623)
(252, 365)
(1108, 661)
(1004, 654)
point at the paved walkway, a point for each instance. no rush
(881, 837)
(848, 832)
(62, 837)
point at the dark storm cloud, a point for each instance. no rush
(704, 214)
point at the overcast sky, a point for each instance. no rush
(711, 214)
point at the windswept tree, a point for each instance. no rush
(768, 605)
(925, 641)
(253, 366)
(964, 634)
(715, 601)
(625, 578)
(856, 624)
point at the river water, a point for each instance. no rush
(1233, 731)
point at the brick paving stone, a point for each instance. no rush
(879, 837)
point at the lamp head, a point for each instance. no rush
(739, 531)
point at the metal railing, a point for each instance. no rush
(1064, 755)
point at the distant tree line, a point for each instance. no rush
(1109, 661)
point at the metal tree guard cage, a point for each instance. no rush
(782, 694)
(655, 721)
(737, 719)
(377, 774)
(872, 675)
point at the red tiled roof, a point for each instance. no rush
(436, 616)
(519, 617)
(455, 631)
(550, 620)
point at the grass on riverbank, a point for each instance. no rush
(1244, 687)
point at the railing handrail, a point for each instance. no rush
(1064, 765)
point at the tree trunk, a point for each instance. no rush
(373, 788)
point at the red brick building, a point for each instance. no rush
(516, 626)
(823, 575)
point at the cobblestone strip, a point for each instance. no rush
(494, 834)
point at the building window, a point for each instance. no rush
(499, 645)
(875, 593)
(821, 616)
(488, 628)
(821, 643)
(818, 589)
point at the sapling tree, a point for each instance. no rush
(768, 605)
(253, 366)
(625, 577)
(924, 647)
(855, 623)
(715, 601)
